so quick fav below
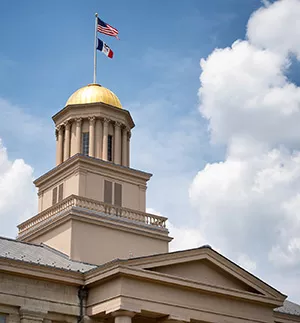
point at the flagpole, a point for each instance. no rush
(95, 49)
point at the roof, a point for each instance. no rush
(40, 255)
(289, 308)
(93, 93)
(46, 256)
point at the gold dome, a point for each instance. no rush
(93, 93)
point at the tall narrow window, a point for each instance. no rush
(108, 192)
(109, 147)
(60, 192)
(54, 196)
(85, 143)
(118, 194)
(2, 318)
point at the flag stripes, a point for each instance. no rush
(106, 29)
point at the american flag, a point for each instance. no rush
(107, 29)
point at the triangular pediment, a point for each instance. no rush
(206, 266)
(206, 272)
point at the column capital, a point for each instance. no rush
(92, 120)
(129, 134)
(118, 124)
(123, 313)
(106, 120)
(78, 121)
(59, 127)
(67, 124)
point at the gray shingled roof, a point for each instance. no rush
(40, 255)
(289, 308)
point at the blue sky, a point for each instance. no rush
(47, 53)
(217, 162)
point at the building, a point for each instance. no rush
(92, 253)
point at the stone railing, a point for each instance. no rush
(82, 202)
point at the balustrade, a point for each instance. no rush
(93, 205)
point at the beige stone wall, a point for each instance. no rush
(99, 244)
(92, 186)
(21, 295)
(58, 238)
(70, 187)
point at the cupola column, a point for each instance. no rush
(117, 154)
(92, 137)
(78, 135)
(56, 137)
(105, 138)
(99, 141)
(59, 153)
(67, 140)
(128, 148)
(124, 146)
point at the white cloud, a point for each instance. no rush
(18, 196)
(245, 262)
(184, 237)
(276, 27)
(248, 204)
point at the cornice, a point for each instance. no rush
(83, 107)
(285, 317)
(79, 161)
(40, 271)
(93, 217)
(211, 255)
(97, 275)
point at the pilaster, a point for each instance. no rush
(13, 318)
(32, 316)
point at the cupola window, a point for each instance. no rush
(85, 143)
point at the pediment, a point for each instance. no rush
(206, 266)
(205, 272)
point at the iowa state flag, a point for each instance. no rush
(104, 48)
